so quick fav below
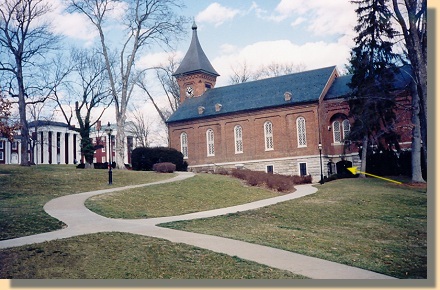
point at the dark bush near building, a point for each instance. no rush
(81, 166)
(278, 182)
(143, 158)
(164, 167)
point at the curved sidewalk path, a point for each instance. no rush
(79, 220)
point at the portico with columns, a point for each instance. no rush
(53, 143)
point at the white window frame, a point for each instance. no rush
(210, 145)
(345, 128)
(337, 129)
(2, 146)
(299, 168)
(14, 145)
(238, 139)
(342, 129)
(268, 136)
(2, 157)
(184, 144)
(301, 132)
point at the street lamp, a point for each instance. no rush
(109, 130)
(320, 161)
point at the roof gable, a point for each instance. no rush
(303, 86)
(340, 88)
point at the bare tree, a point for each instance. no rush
(25, 39)
(169, 85)
(243, 73)
(276, 69)
(145, 22)
(140, 128)
(88, 94)
(412, 18)
(38, 111)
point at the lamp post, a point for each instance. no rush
(109, 130)
(320, 162)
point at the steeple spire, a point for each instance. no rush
(195, 59)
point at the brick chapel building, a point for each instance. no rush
(294, 124)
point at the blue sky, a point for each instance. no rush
(314, 33)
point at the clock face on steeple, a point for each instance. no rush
(189, 91)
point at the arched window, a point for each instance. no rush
(341, 130)
(210, 142)
(346, 128)
(184, 144)
(268, 136)
(238, 137)
(301, 132)
(337, 135)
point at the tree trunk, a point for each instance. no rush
(364, 155)
(416, 168)
(23, 119)
(120, 141)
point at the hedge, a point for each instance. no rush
(143, 158)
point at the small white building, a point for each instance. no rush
(57, 143)
(51, 143)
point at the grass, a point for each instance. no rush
(127, 256)
(366, 223)
(25, 190)
(200, 193)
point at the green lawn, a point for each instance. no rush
(367, 223)
(25, 190)
(200, 193)
(126, 256)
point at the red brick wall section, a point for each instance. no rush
(284, 134)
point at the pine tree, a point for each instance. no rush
(373, 65)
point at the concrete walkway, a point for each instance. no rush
(70, 209)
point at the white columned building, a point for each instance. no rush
(56, 143)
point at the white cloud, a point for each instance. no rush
(216, 14)
(227, 48)
(157, 59)
(298, 21)
(76, 25)
(323, 16)
(313, 55)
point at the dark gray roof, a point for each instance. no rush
(43, 123)
(195, 59)
(304, 86)
(340, 89)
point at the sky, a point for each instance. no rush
(312, 34)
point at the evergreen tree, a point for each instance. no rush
(373, 65)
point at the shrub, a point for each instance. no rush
(164, 167)
(278, 182)
(143, 158)
(302, 179)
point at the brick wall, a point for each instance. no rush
(285, 155)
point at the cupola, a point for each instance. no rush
(195, 74)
